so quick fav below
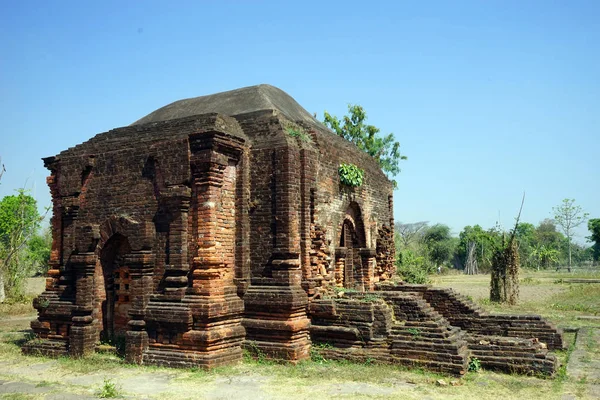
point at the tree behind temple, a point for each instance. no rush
(439, 244)
(353, 127)
(569, 216)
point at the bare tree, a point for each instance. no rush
(569, 216)
(410, 232)
(2, 169)
(471, 264)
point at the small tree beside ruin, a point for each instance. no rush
(504, 285)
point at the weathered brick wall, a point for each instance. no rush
(133, 185)
(267, 145)
(332, 199)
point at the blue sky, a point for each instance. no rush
(487, 98)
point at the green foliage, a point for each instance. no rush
(486, 242)
(353, 127)
(315, 352)
(298, 132)
(19, 221)
(108, 390)
(415, 332)
(18, 213)
(594, 228)
(411, 267)
(370, 298)
(253, 352)
(474, 365)
(351, 175)
(543, 256)
(439, 244)
(38, 251)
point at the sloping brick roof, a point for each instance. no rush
(234, 102)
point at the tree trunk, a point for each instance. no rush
(569, 255)
(2, 294)
(471, 264)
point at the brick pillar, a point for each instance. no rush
(242, 226)
(339, 268)
(275, 318)
(84, 334)
(177, 200)
(217, 331)
(367, 269)
(140, 265)
(57, 297)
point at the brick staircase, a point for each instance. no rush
(421, 337)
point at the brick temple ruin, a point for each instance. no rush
(220, 222)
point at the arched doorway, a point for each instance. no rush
(352, 237)
(113, 289)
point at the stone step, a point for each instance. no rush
(457, 369)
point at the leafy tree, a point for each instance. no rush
(525, 236)
(581, 254)
(19, 221)
(38, 251)
(542, 256)
(486, 242)
(594, 228)
(569, 216)
(548, 235)
(353, 127)
(439, 244)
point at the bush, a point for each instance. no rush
(412, 268)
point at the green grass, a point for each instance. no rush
(109, 390)
(92, 363)
(583, 297)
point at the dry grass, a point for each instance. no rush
(543, 293)
(319, 379)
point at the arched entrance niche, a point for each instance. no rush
(112, 290)
(352, 238)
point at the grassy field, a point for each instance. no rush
(546, 293)
(543, 293)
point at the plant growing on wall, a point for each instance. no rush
(351, 175)
(298, 132)
(353, 127)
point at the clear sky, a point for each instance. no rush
(487, 98)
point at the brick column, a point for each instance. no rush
(177, 200)
(84, 334)
(275, 318)
(217, 332)
(140, 265)
(339, 268)
(367, 269)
